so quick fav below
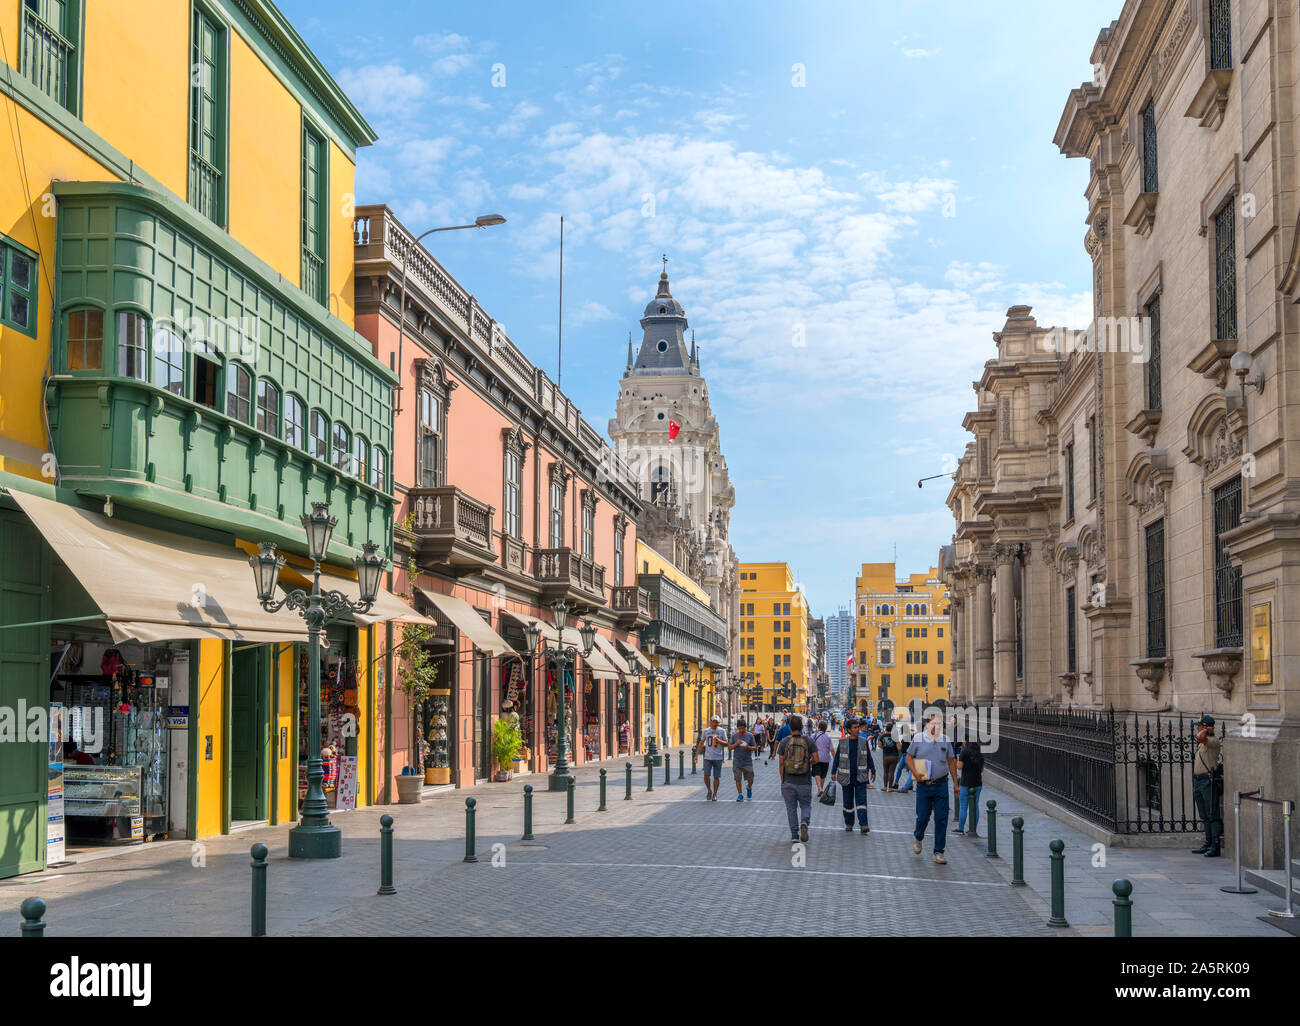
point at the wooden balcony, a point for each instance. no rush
(564, 574)
(632, 606)
(454, 530)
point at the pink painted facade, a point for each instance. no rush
(470, 403)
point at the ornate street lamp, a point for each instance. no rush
(652, 749)
(315, 837)
(563, 656)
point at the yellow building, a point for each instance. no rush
(902, 646)
(773, 638)
(179, 375)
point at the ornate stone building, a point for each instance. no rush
(682, 472)
(1128, 516)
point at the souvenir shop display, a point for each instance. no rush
(437, 765)
(516, 698)
(591, 721)
(339, 713)
(570, 713)
(624, 723)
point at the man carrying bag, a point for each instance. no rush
(851, 769)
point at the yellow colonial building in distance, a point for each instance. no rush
(903, 643)
(773, 638)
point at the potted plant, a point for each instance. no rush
(506, 742)
(410, 786)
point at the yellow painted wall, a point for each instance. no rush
(342, 275)
(136, 68)
(877, 586)
(365, 725)
(762, 586)
(212, 774)
(286, 709)
(265, 163)
(648, 561)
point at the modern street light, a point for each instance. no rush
(315, 837)
(563, 656)
(482, 221)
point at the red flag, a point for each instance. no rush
(673, 428)
(849, 660)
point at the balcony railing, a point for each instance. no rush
(631, 604)
(46, 58)
(567, 570)
(205, 188)
(313, 276)
(452, 526)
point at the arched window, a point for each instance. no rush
(268, 408)
(360, 457)
(168, 361)
(378, 469)
(342, 447)
(132, 345)
(295, 421)
(85, 340)
(239, 392)
(318, 445)
(923, 609)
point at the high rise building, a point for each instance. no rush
(840, 629)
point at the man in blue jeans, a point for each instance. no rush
(851, 768)
(933, 766)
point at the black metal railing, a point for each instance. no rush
(1227, 578)
(1225, 271)
(1130, 773)
(1220, 34)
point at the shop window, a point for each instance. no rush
(85, 340)
(294, 421)
(239, 393)
(132, 345)
(318, 444)
(268, 408)
(206, 371)
(168, 361)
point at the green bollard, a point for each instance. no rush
(528, 813)
(33, 911)
(681, 764)
(469, 831)
(386, 856)
(1058, 884)
(568, 798)
(649, 777)
(668, 768)
(628, 797)
(258, 852)
(1018, 852)
(1123, 907)
(602, 791)
(992, 807)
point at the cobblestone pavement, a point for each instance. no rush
(667, 862)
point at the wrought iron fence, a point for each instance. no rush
(1129, 772)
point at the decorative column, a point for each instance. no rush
(1004, 644)
(983, 634)
(957, 628)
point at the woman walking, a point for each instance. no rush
(970, 767)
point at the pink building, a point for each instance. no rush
(508, 503)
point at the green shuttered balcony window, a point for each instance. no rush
(208, 117)
(48, 49)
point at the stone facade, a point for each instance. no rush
(1137, 465)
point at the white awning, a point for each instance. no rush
(640, 658)
(154, 585)
(611, 653)
(548, 632)
(462, 614)
(597, 663)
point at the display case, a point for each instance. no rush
(103, 803)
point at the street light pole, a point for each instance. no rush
(652, 749)
(563, 656)
(315, 837)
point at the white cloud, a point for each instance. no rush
(380, 87)
(916, 52)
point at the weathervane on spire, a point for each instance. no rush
(665, 263)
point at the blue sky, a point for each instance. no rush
(850, 196)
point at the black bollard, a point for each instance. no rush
(33, 911)
(1123, 907)
(528, 813)
(469, 831)
(681, 764)
(258, 852)
(668, 767)
(649, 777)
(1018, 852)
(386, 856)
(1058, 884)
(628, 797)
(568, 797)
(602, 791)
(992, 807)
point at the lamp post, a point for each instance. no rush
(563, 656)
(315, 837)
(652, 757)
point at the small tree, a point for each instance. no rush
(507, 739)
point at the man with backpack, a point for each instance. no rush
(851, 768)
(795, 757)
(889, 756)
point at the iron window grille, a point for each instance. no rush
(1227, 578)
(1220, 34)
(1071, 649)
(1150, 177)
(1153, 354)
(1156, 637)
(1225, 271)
(1069, 481)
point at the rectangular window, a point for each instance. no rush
(1069, 482)
(208, 117)
(940, 631)
(514, 489)
(557, 515)
(132, 345)
(17, 287)
(1225, 271)
(939, 656)
(294, 421)
(378, 469)
(360, 458)
(314, 205)
(588, 531)
(786, 611)
(168, 361)
(1220, 35)
(48, 49)
(268, 408)
(85, 340)
(342, 445)
(1071, 655)
(619, 542)
(430, 447)
(1156, 589)
(319, 436)
(1227, 578)
(776, 608)
(1092, 457)
(1153, 354)
(238, 393)
(206, 370)
(1150, 177)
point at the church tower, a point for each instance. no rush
(664, 430)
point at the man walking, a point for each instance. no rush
(933, 766)
(742, 748)
(903, 732)
(1207, 786)
(822, 742)
(888, 756)
(850, 769)
(795, 757)
(713, 741)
